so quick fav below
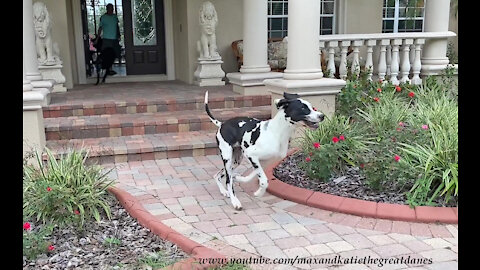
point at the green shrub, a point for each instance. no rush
(66, 190)
(333, 145)
(402, 137)
(35, 241)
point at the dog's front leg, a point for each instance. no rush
(262, 177)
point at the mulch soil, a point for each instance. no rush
(119, 243)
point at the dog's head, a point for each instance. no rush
(298, 110)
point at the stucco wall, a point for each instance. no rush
(62, 33)
(363, 16)
(229, 29)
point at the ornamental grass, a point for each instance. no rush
(65, 190)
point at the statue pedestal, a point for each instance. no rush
(54, 73)
(209, 72)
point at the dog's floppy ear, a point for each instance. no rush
(281, 103)
(290, 96)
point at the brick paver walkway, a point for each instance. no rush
(182, 193)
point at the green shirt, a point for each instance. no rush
(109, 23)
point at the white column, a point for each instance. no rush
(33, 126)
(303, 75)
(27, 86)
(303, 60)
(255, 32)
(434, 54)
(255, 68)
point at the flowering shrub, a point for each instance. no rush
(404, 136)
(35, 240)
(65, 190)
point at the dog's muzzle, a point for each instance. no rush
(313, 124)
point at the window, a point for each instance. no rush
(403, 16)
(278, 18)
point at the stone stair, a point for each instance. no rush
(137, 130)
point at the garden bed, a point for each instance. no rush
(119, 243)
(351, 184)
(385, 143)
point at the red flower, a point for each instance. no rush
(401, 124)
(376, 99)
(425, 127)
(51, 247)
(316, 145)
(341, 138)
(76, 212)
(335, 139)
(398, 88)
(411, 94)
(379, 90)
(49, 189)
(397, 158)
(308, 159)
(26, 226)
(399, 129)
(362, 165)
(310, 154)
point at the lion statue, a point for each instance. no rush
(47, 51)
(207, 45)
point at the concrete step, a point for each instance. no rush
(116, 125)
(140, 147)
(152, 105)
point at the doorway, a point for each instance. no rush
(142, 36)
(92, 10)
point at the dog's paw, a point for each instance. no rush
(259, 192)
(236, 203)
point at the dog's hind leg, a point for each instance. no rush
(226, 151)
(218, 179)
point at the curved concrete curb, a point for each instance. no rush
(198, 251)
(426, 214)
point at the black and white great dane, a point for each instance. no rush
(259, 140)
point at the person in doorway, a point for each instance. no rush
(109, 32)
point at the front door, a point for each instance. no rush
(144, 37)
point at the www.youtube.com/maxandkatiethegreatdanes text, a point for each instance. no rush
(334, 260)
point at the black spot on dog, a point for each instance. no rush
(232, 133)
(245, 143)
(255, 165)
(296, 110)
(255, 135)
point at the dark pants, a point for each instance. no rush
(112, 43)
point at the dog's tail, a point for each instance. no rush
(215, 121)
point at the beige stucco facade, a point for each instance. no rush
(351, 17)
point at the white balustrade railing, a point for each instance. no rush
(398, 55)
